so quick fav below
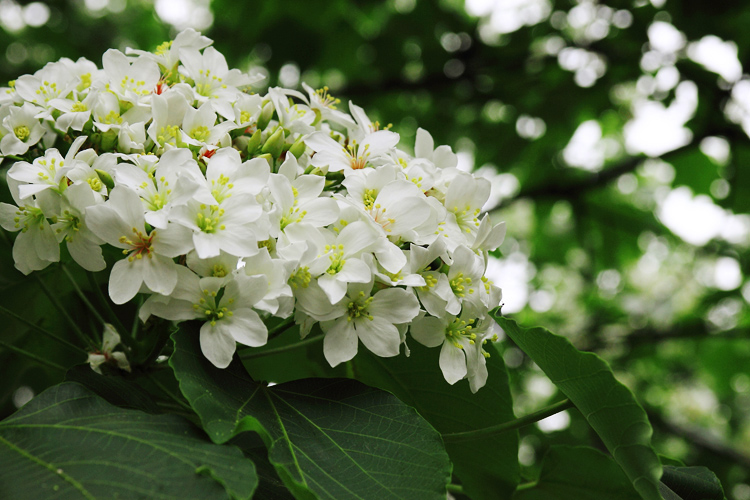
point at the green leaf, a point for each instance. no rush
(487, 467)
(578, 473)
(608, 406)
(327, 438)
(690, 483)
(116, 390)
(69, 443)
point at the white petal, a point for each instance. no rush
(378, 335)
(396, 304)
(159, 274)
(246, 327)
(428, 331)
(87, 254)
(217, 346)
(340, 342)
(452, 362)
(124, 281)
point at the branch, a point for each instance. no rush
(509, 426)
(568, 190)
(700, 439)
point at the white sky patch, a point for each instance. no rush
(530, 128)
(697, 220)
(507, 16)
(727, 274)
(587, 66)
(512, 274)
(716, 148)
(185, 13)
(587, 148)
(656, 129)
(556, 422)
(717, 56)
(665, 38)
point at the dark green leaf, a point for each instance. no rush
(328, 439)
(115, 390)
(608, 406)
(578, 473)
(691, 483)
(487, 467)
(69, 443)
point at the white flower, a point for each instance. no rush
(371, 319)
(168, 53)
(110, 340)
(461, 354)
(53, 81)
(130, 80)
(46, 172)
(21, 130)
(175, 181)
(83, 245)
(353, 156)
(441, 157)
(120, 223)
(228, 320)
(36, 246)
(212, 78)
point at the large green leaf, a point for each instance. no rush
(608, 406)
(690, 483)
(327, 438)
(69, 443)
(578, 473)
(488, 466)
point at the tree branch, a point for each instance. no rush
(700, 439)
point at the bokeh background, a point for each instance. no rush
(615, 137)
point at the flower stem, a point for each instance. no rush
(41, 330)
(253, 352)
(455, 488)
(82, 296)
(32, 356)
(73, 325)
(454, 437)
(169, 393)
(103, 302)
(280, 328)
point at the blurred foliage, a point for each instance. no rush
(590, 252)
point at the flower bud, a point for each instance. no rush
(275, 144)
(105, 178)
(298, 148)
(253, 143)
(265, 115)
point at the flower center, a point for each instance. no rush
(220, 187)
(457, 285)
(460, 329)
(78, 107)
(337, 258)
(22, 132)
(300, 278)
(211, 310)
(200, 133)
(358, 307)
(140, 244)
(209, 219)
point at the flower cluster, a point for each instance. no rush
(231, 207)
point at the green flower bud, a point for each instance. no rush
(105, 178)
(275, 144)
(298, 148)
(253, 143)
(265, 115)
